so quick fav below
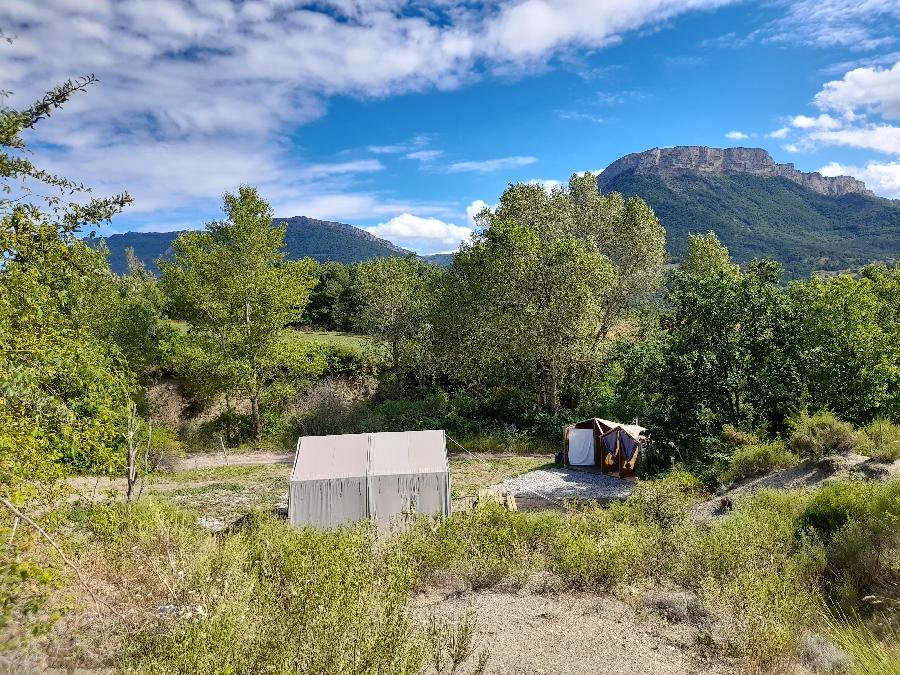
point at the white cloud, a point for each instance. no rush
(860, 25)
(779, 133)
(881, 138)
(188, 87)
(422, 235)
(870, 89)
(424, 155)
(400, 148)
(489, 165)
(792, 147)
(736, 135)
(821, 122)
(883, 178)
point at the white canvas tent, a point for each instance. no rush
(383, 476)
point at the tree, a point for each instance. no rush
(232, 286)
(731, 356)
(393, 302)
(331, 303)
(850, 338)
(535, 295)
(707, 255)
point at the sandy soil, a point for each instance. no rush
(574, 634)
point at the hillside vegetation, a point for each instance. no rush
(761, 217)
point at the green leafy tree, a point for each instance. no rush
(233, 287)
(535, 295)
(393, 304)
(731, 356)
(331, 303)
(707, 255)
(850, 335)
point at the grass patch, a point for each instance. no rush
(336, 338)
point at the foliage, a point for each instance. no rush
(756, 217)
(393, 296)
(756, 459)
(882, 439)
(706, 256)
(332, 303)
(535, 294)
(231, 284)
(814, 436)
(850, 337)
(730, 357)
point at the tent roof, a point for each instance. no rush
(377, 454)
(633, 430)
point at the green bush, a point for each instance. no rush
(859, 523)
(814, 436)
(757, 459)
(882, 440)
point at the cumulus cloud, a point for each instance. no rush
(188, 87)
(473, 209)
(549, 184)
(736, 135)
(779, 133)
(870, 89)
(883, 178)
(864, 101)
(489, 165)
(422, 235)
(821, 122)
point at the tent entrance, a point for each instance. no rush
(581, 447)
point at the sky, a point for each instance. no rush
(406, 118)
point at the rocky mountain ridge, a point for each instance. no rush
(726, 161)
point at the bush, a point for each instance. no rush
(882, 440)
(757, 459)
(814, 436)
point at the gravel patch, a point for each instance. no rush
(561, 483)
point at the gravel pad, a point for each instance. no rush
(560, 483)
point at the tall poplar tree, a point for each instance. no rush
(233, 287)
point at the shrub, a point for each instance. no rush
(882, 439)
(738, 438)
(814, 436)
(757, 459)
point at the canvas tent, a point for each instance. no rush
(383, 476)
(609, 446)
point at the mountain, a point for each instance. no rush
(758, 208)
(321, 240)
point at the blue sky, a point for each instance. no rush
(406, 118)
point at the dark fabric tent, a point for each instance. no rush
(386, 477)
(611, 447)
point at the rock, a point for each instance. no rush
(700, 159)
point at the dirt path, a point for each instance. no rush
(574, 634)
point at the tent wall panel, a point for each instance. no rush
(327, 502)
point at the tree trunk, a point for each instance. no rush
(257, 423)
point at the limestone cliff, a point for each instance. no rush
(703, 160)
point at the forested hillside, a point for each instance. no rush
(770, 217)
(320, 240)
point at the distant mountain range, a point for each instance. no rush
(321, 240)
(758, 208)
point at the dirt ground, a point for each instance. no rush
(575, 634)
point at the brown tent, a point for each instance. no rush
(611, 447)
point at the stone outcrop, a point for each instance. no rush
(703, 160)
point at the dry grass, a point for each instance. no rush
(469, 475)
